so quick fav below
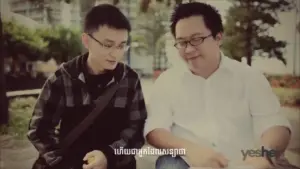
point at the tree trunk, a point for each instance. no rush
(3, 98)
(85, 6)
(249, 48)
(129, 38)
(116, 2)
(144, 5)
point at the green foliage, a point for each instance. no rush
(288, 97)
(58, 42)
(247, 26)
(20, 111)
(149, 35)
(150, 30)
(21, 41)
(63, 43)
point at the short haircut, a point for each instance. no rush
(105, 14)
(211, 16)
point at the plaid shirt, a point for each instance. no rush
(63, 89)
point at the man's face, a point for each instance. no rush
(195, 43)
(106, 46)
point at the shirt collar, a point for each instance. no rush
(224, 61)
(118, 73)
(223, 65)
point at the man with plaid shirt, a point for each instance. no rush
(67, 98)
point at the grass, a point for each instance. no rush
(288, 96)
(20, 111)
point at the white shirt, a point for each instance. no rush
(229, 111)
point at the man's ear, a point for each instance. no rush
(219, 38)
(85, 40)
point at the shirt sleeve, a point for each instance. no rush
(45, 118)
(264, 105)
(159, 106)
(132, 136)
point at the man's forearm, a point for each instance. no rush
(50, 104)
(161, 138)
(43, 144)
(41, 133)
(46, 145)
(131, 138)
(277, 138)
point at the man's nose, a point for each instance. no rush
(114, 53)
(189, 48)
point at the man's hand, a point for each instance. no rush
(96, 160)
(258, 162)
(205, 157)
(52, 158)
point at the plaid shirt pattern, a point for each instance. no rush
(64, 88)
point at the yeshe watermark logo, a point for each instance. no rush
(258, 153)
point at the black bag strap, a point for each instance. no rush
(101, 102)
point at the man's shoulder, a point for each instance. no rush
(175, 72)
(242, 68)
(245, 71)
(170, 77)
(56, 77)
(131, 74)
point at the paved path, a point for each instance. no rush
(16, 156)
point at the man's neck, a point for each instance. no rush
(207, 70)
(94, 69)
(204, 72)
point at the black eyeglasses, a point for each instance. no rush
(193, 42)
(109, 47)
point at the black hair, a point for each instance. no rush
(211, 16)
(105, 14)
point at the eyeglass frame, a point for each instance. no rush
(190, 42)
(105, 46)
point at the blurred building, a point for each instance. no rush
(23, 7)
(54, 12)
(74, 14)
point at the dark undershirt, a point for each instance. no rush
(96, 83)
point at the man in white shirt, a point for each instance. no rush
(218, 109)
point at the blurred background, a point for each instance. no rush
(38, 35)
